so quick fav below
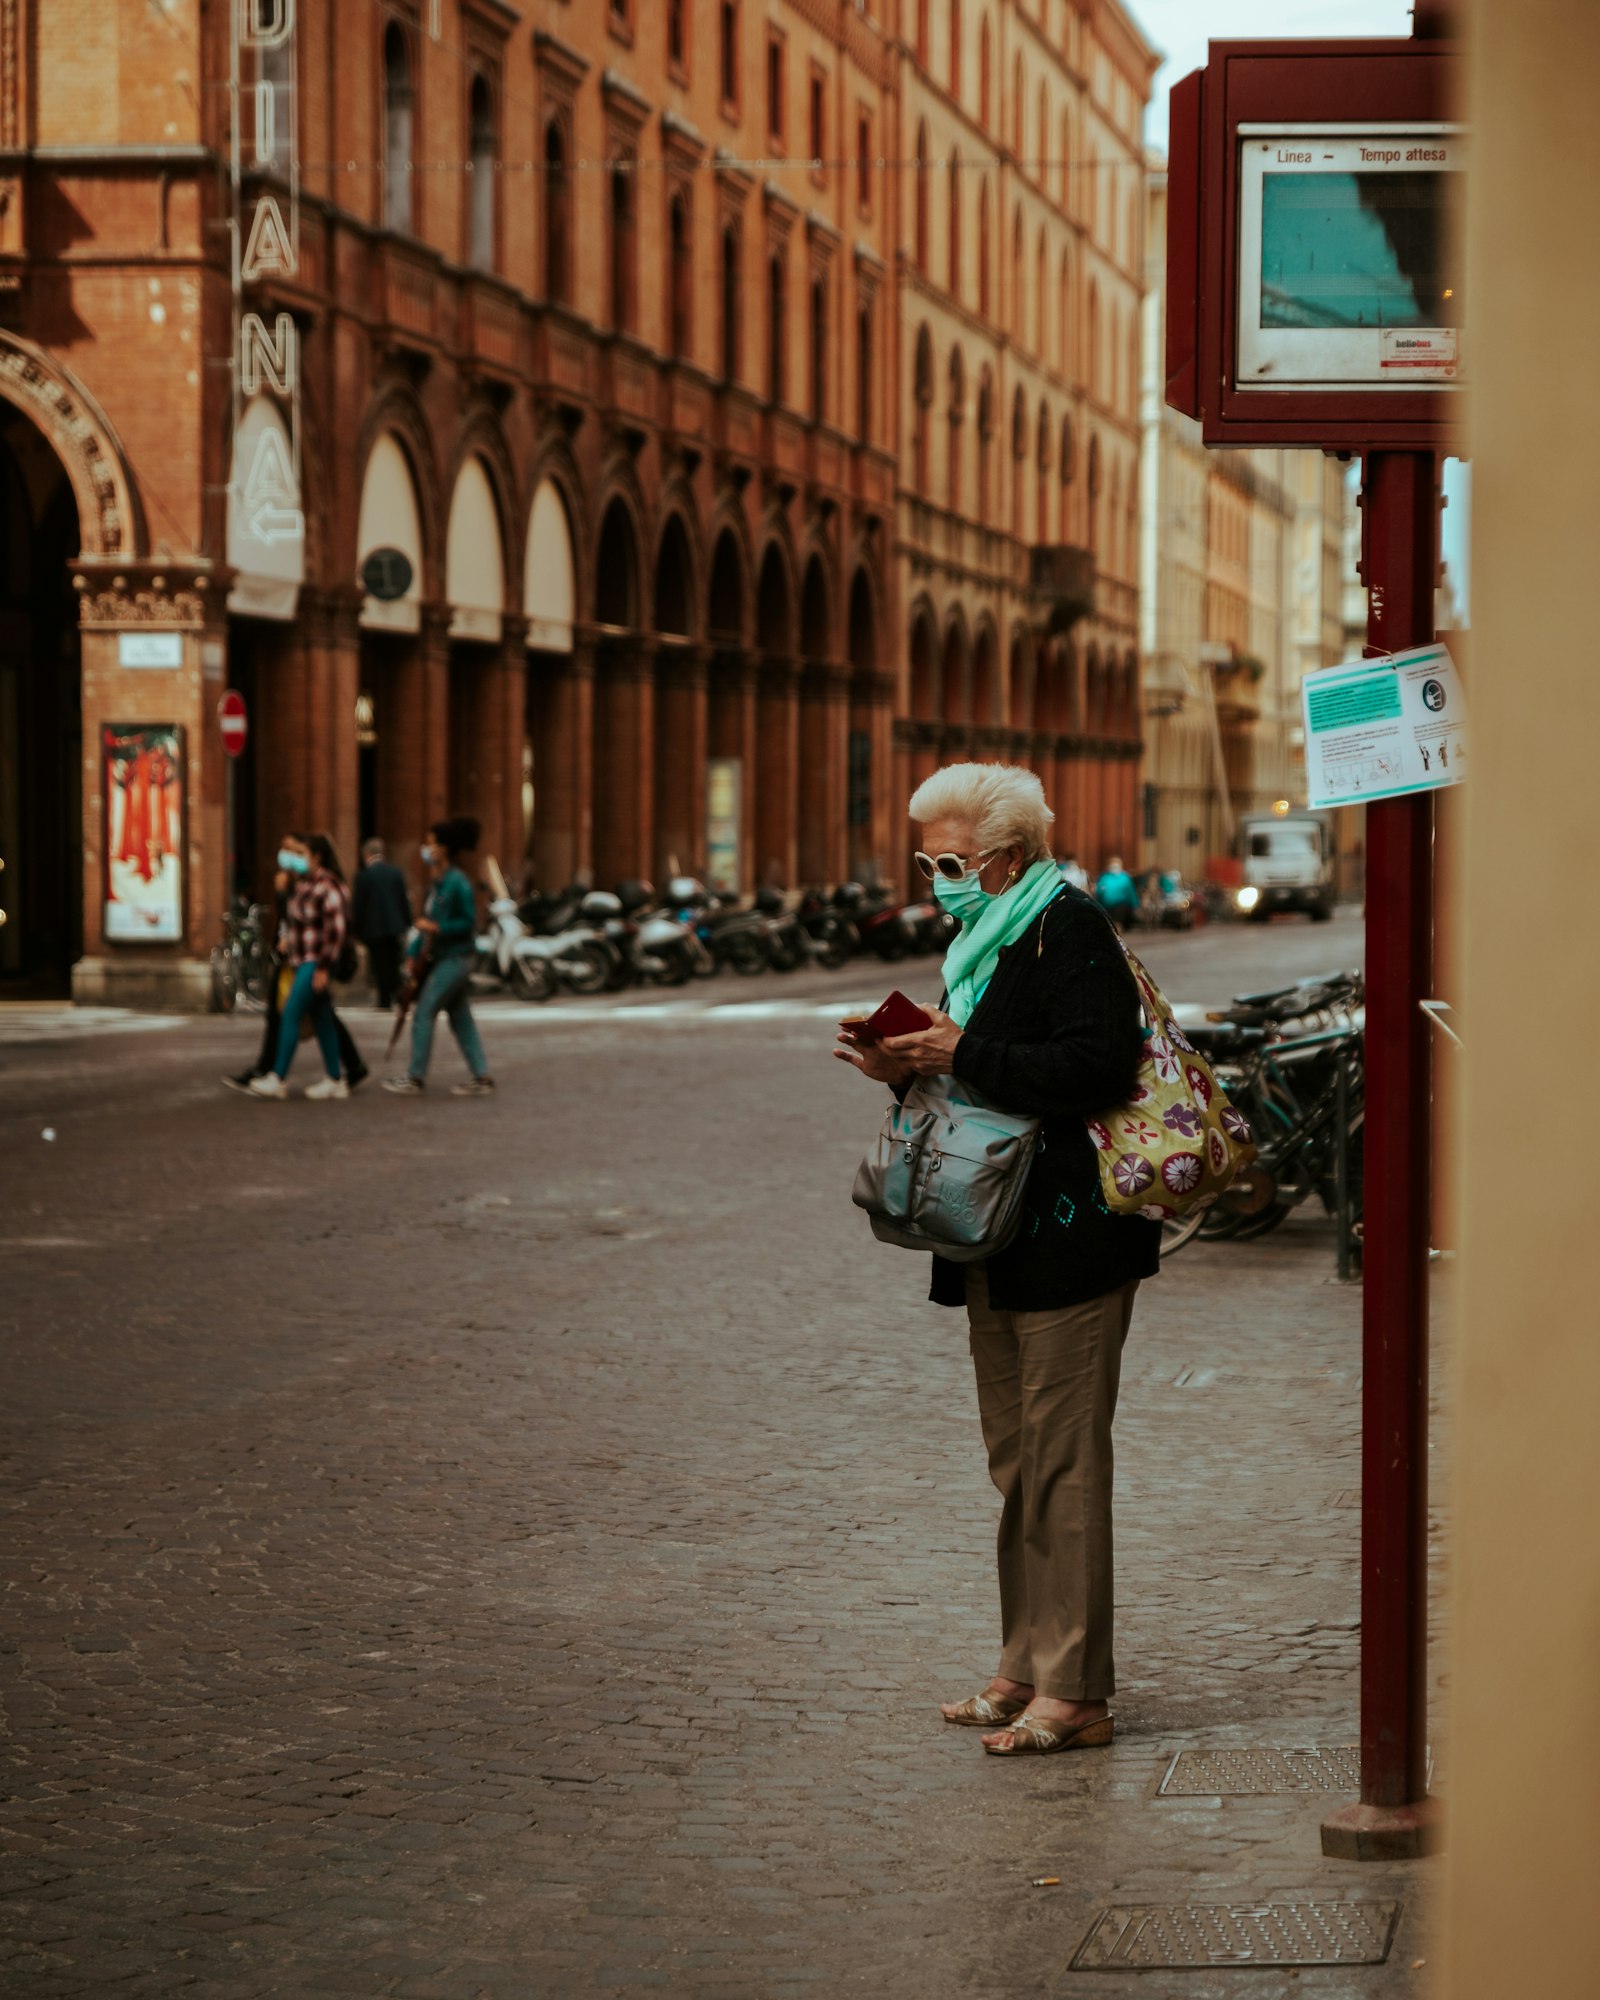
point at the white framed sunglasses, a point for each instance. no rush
(953, 867)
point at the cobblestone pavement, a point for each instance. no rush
(514, 1549)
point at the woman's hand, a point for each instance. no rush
(931, 1050)
(427, 926)
(873, 1061)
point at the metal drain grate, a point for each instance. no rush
(1133, 1936)
(1260, 1773)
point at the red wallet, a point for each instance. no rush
(897, 1016)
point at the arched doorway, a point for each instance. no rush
(731, 720)
(824, 732)
(556, 793)
(400, 752)
(680, 710)
(778, 724)
(623, 706)
(864, 713)
(41, 723)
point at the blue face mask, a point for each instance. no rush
(964, 900)
(292, 863)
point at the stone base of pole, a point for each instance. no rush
(1384, 1833)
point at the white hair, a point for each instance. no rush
(1003, 804)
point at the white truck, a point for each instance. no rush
(1288, 865)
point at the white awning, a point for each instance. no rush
(474, 560)
(266, 529)
(548, 594)
(390, 519)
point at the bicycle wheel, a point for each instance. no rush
(1181, 1229)
(224, 979)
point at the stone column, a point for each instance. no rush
(332, 673)
(778, 772)
(823, 832)
(414, 739)
(560, 724)
(682, 726)
(732, 733)
(624, 761)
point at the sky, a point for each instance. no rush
(1182, 28)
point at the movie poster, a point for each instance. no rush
(142, 769)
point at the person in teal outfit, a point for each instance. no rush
(1117, 893)
(447, 932)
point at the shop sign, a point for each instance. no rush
(150, 649)
(724, 795)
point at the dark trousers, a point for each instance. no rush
(350, 1062)
(383, 962)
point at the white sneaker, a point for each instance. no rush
(328, 1086)
(270, 1085)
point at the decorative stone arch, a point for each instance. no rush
(397, 411)
(985, 673)
(956, 668)
(110, 521)
(675, 585)
(618, 582)
(728, 582)
(775, 599)
(818, 617)
(483, 439)
(556, 465)
(1019, 685)
(863, 627)
(922, 696)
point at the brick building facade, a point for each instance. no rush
(525, 411)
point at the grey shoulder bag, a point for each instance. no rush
(947, 1172)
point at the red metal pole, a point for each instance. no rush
(1400, 566)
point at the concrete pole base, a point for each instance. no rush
(1384, 1833)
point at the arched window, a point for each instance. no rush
(1017, 286)
(922, 34)
(1133, 365)
(1113, 356)
(985, 444)
(1016, 106)
(680, 289)
(397, 116)
(984, 252)
(921, 171)
(955, 225)
(985, 82)
(1042, 134)
(1066, 160)
(958, 405)
(732, 263)
(864, 371)
(1041, 303)
(557, 217)
(955, 49)
(1064, 315)
(777, 302)
(923, 391)
(485, 165)
(1094, 497)
(1065, 470)
(622, 242)
(1041, 454)
(819, 348)
(1019, 458)
(1093, 371)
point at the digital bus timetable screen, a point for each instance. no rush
(1348, 274)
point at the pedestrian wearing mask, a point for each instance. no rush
(317, 928)
(1042, 1018)
(280, 970)
(448, 935)
(380, 916)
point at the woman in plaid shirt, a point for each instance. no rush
(314, 932)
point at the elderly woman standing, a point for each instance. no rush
(1043, 1019)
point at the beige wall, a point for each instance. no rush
(1524, 1761)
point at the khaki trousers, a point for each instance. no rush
(1047, 1391)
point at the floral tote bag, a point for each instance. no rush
(1177, 1143)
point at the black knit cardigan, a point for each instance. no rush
(1058, 1033)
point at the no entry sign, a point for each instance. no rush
(234, 718)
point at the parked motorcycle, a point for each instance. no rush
(789, 943)
(665, 952)
(831, 932)
(730, 935)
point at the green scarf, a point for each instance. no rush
(969, 963)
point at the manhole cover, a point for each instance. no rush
(1246, 1773)
(1131, 1936)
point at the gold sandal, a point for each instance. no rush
(989, 1710)
(1037, 1735)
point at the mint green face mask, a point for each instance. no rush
(964, 899)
